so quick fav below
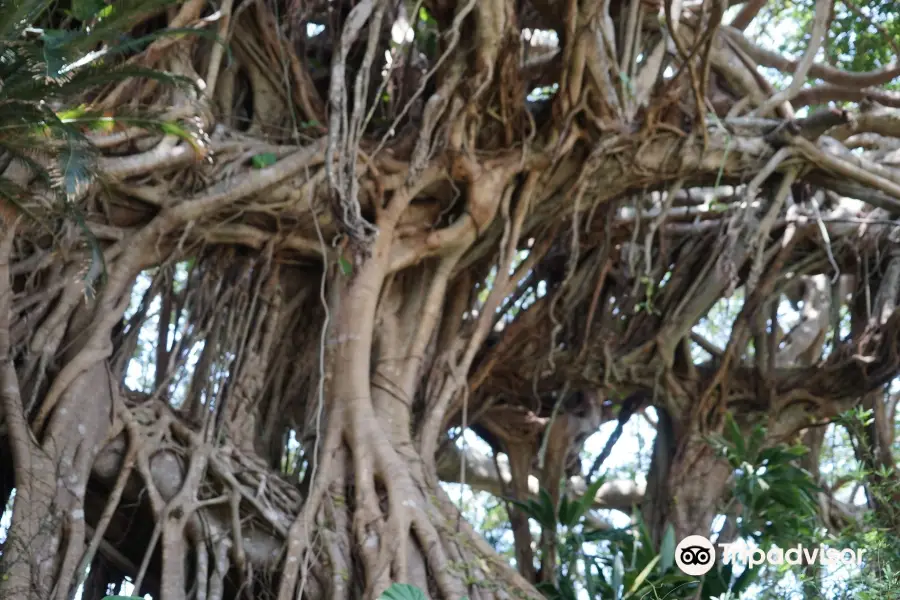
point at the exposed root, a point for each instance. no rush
(430, 181)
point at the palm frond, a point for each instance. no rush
(114, 21)
(75, 172)
(81, 81)
(95, 121)
(125, 44)
(43, 72)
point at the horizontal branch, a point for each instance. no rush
(822, 94)
(821, 71)
(482, 475)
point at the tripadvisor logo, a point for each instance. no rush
(695, 555)
(795, 555)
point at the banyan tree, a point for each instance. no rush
(261, 262)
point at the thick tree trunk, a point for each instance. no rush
(375, 512)
(44, 544)
(492, 180)
(397, 526)
(685, 484)
(397, 519)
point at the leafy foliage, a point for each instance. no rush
(595, 559)
(779, 508)
(266, 159)
(778, 497)
(43, 70)
(879, 530)
(863, 36)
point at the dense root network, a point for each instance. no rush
(241, 383)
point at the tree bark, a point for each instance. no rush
(418, 245)
(685, 483)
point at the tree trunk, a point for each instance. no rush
(419, 244)
(520, 459)
(685, 483)
(44, 544)
(375, 510)
(396, 517)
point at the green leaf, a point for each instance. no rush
(588, 499)
(85, 9)
(346, 266)
(56, 53)
(530, 508)
(737, 437)
(72, 114)
(403, 591)
(667, 550)
(183, 133)
(798, 450)
(523, 506)
(590, 580)
(547, 517)
(266, 159)
(639, 581)
(425, 16)
(757, 438)
(567, 515)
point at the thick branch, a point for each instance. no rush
(482, 475)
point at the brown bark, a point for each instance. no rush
(45, 540)
(334, 294)
(686, 484)
(520, 458)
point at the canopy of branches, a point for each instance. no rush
(262, 262)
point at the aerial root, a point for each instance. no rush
(201, 580)
(299, 536)
(336, 538)
(408, 524)
(400, 539)
(209, 486)
(112, 505)
(220, 568)
(379, 536)
(436, 556)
